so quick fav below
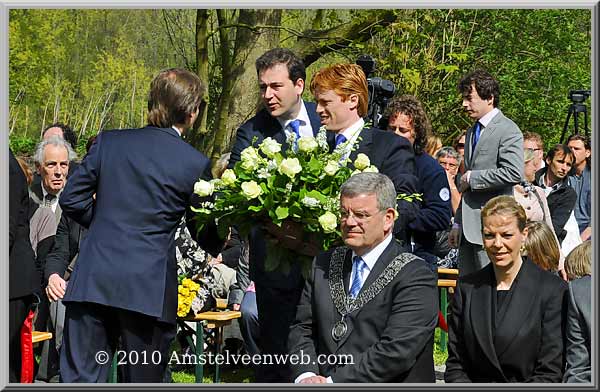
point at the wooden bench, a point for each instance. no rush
(214, 320)
(447, 278)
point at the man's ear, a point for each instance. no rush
(353, 99)
(299, 86)
(38, 168)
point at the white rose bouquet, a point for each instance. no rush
(276, 189)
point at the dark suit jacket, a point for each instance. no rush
(393, 155)
(66, 246)
(527, 346)
(23, 276)
(390, 338)
(579, 331)
(144, 181)
(561, 203)
(261, 126)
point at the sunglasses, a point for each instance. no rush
(460, 145)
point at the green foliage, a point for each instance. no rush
(22, 145)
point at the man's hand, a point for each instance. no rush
(464, 182)
(454, 236)
(586, 234)
(235, 307)
(313, 380)
(56, 287)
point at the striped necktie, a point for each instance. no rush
(357, 282)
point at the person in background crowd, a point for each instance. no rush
(580, 179)
(493, 164)
(23, 278)
(579, 323)
(553, 179)
(533, 199)
(534, 142)
(459, 146)
(407, 118)
(281, 75)
(541, 247)
(388, 328)
(65, 132)
(507, 320)
(433, 145)
(450, 160)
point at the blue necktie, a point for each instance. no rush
(339, 139)
(295, 125)
(476, 134)
(357, 282)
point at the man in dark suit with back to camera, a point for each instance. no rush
(369, 304)
(281, 76)
(342, 98)
(131, 191)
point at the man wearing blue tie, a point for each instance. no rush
(493, 165)
(369, 309)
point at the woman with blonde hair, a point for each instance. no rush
(579, 262)
(506, 319)
(542, 247)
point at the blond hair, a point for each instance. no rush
(579, 262)
(541, 246)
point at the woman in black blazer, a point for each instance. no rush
(507, 319)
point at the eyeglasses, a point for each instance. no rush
(358, 216)
(449, 164)
(460, 145)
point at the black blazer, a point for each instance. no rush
(390, 338)
(66, 246)
(393, 155)
(528, 345)
(261, 126)
(23, 279)
(144, 181)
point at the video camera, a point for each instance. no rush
(579, 96)
(380, 90)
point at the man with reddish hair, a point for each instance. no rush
(342, 97)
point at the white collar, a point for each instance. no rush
(302, 116)
(485, 120)
(352, 131)
(371, 257)
(177, 129)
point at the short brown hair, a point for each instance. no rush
(507, 206)
(534, 137)
(542, 247)
(343, 79)
(174, 94)
(579, 262)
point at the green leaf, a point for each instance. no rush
(281, 212)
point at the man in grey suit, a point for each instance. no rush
(493, 164)
(579, 331)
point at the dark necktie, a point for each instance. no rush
(357, 282)
(295, 126)
(339, 139)
(476, 134)
(49, 199)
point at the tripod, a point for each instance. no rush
(574, 110)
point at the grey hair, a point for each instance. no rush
(448, 152)
(57, 141)
(368, 184)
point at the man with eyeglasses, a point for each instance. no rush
(534, 142)
(369, 309)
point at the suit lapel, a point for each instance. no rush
(521, 304)
(487, 132)
(482, 318)
(347, 270)
(364, 145)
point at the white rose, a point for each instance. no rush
(371, 169)
(328, 222)
(204, 188)
(307, 144)
(251, 189)
(250, 158)
(270, 147)
(290, 167)
(362, 161)
(310, 201)
(331, 168)
(228, 177)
